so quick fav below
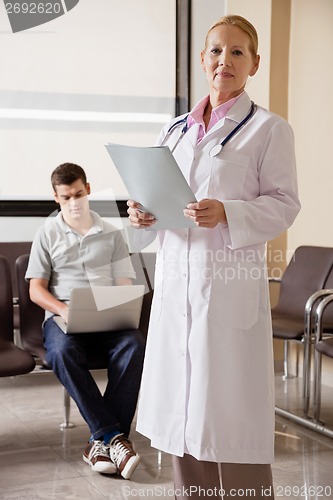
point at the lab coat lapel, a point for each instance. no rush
(190, 138)
(240, 109)
(185, 151)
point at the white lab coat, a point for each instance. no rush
(208, 386)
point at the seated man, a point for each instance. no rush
(71, 249)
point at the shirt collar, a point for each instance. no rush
(97, 226)
(196, 115)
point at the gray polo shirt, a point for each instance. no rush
(67, 259)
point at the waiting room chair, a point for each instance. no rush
(13, 360)
(306, 273)
(31, 315)
(31, 318)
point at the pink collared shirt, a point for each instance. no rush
(196, 115)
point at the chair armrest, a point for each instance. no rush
(315, 296)
(310, 303)
(319, 315)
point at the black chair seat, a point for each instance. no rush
(13, 360)
(288, 328)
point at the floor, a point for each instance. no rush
(40, 461)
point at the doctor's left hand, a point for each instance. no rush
(206, 212)
(139, 218)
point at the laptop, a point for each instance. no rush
(103, 309)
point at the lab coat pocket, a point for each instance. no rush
(228, 175)
(241, 298)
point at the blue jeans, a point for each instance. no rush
(70, 357)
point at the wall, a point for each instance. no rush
(259, 13)
(104, 72)
(310, 114)
(202, 19)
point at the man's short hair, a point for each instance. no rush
(67, 173)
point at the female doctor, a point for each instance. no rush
(207, 394)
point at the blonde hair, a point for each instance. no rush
(243, 24)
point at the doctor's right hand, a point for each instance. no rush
(138, 218)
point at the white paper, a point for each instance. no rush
(154, 179)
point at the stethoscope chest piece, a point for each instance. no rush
(215, 150)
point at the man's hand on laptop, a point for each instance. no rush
(63, 312)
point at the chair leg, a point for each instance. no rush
(286, 374)
(159, 459)
(317, 385)
(306, 376)
(297, 360)
(67, 409)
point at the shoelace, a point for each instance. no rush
(119, 451)
(99, 449)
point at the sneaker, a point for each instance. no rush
(123, 455)
(97, 456)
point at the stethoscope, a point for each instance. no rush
(215, 150)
